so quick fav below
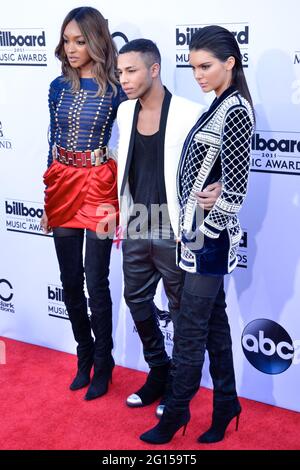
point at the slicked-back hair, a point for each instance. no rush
(222, 44)
(146, 47)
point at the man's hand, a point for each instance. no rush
(207, 198)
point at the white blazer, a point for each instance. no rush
(181, 117)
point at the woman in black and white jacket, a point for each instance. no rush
(217, 148)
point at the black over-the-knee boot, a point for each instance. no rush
(188, 355)
(69, 254)
(103, 360)
(226, 405)
(97, 270)
(156, 357)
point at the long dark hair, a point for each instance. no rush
(222, 44)
(100, 47)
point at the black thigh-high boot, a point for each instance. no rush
(158, 360)
(226, 405)
(97, 271)
(69, 254)
(188, 355)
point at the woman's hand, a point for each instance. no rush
(207, 198)
(44, 224)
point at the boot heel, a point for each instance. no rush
(218, 427)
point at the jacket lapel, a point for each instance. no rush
(130, 147)
(161, 144)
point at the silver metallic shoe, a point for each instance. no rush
(134, 401)
(160, 411)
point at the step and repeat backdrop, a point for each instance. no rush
(264, 291)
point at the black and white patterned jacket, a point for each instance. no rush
(217, 148)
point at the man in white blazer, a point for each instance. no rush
(153, 125)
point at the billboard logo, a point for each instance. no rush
(56, 306)
(23, 46)
(184, 33)
(275, 152)
(24, 217)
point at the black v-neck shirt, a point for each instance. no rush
(145, 179)
(143, 171)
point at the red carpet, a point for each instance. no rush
(39, 412)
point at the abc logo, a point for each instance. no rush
(267, 346)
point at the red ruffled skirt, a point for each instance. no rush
(82, 197)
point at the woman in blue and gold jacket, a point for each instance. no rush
(81, 186)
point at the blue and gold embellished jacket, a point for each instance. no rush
(81, 121)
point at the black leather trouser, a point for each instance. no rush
(145, 263)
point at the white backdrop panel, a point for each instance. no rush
(266, 283)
